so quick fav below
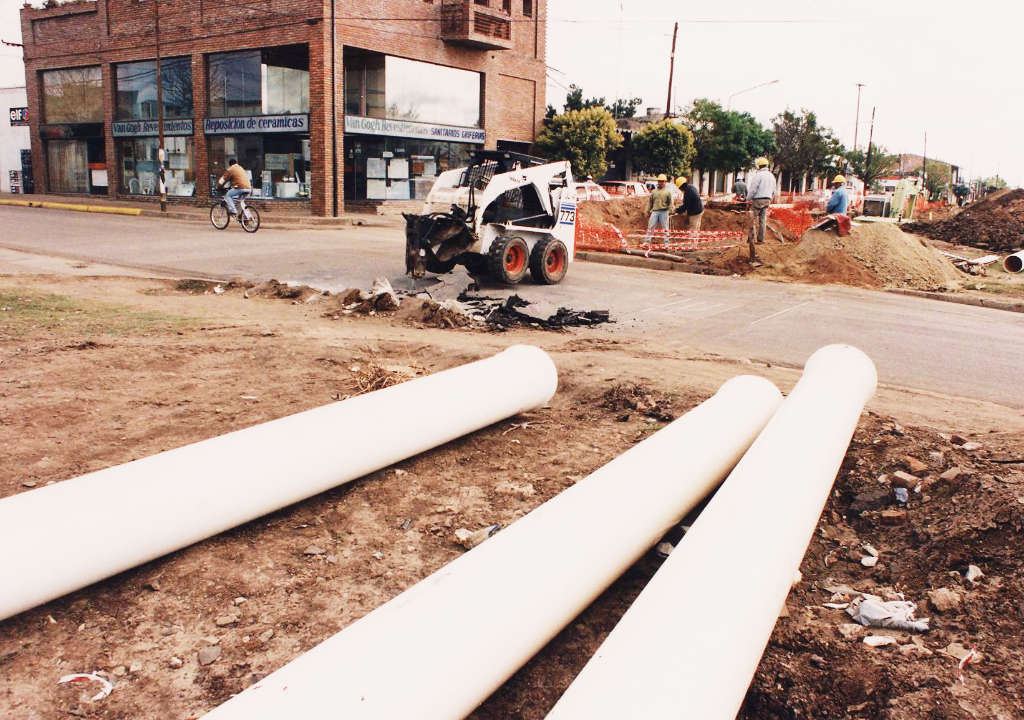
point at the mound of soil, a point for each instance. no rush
(995, 223)
(873, 255)
(630, 215)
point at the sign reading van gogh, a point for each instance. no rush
(141, 128)
(406, 128)
(257, 124)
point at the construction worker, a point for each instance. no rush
(839, 201)
(761, 192)
(739, 189)
(692, 207)
(659, 205)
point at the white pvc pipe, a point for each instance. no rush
(1014, 263)
(62, 537)
(691, 642)
(442, 647)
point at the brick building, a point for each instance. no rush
(328, 103)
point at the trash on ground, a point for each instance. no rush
(973, 574)
(879, 640)
(501, 314)
(469, 539)
(105, 686)
(871, 611)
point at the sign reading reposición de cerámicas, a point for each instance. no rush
(406, 128)
(257, 124)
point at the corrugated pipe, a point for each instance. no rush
(62, 537)
(443, 646)
(1014, 263)
(691, 642)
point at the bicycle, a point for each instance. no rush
(248, 216)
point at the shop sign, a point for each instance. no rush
(19, 116)
(71, 131)
(257, 124)
(139, 128)
(406, 128)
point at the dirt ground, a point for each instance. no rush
(98, 371)
(994, 223)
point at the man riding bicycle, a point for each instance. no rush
(239, 186)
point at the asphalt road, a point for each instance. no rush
(918, 343)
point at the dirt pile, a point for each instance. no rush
(629, 215)
(995, 223)
(874, 255)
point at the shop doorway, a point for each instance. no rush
(76, 166)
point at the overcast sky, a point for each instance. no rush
(948, 67)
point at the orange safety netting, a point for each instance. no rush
(608, 238)
(794, 219)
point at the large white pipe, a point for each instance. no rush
(692, 640)
(62, 537)
(442, 647)
(1014, 263)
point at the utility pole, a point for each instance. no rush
(159, 109)
(867, 159)
(856, 124)
(924, 163)
(671, 70)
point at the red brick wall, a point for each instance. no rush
(107, 32)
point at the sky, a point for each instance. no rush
(951, 69)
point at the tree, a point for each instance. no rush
(993, 183)
(663, 147)
(937, 178)
(725, 139)
(574, 100)
(550, 112)
(859, 166)
(803, 146)
(624, 108)
(583, 137)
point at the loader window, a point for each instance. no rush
(520, 206)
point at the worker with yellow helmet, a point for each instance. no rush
(659, 205)
(760, 191)
(839, 201)
(692, 207)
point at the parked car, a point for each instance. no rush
(625, 188)
(590, 190)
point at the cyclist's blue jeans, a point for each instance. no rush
(230, 195)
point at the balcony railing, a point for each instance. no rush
(476, 24)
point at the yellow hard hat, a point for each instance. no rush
(761, 162)
(680, 180)
(662, 178)
(839, 179)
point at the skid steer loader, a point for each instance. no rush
(505, 214)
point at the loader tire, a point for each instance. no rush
(509, 258)
(549, 261)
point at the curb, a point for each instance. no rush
(647, 263)
(71, 206)
(962, 300)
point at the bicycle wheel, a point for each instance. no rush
(250, 219)
(219, 217)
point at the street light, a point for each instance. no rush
(728, 105)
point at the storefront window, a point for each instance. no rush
(278, 165)
(140, 166)
(136, 89)
(398, 89)
(391, 168)
(73, 95)
(259, 82)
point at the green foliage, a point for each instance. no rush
(869, 172)
(550, 112)
(993, 183)
(583, 137)
(725, 139)
(803, 146)
(663, 147)
(574, 100)
(937, 178)
(624, 108)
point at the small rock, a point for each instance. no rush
(176, 662)
(817, 661)
(958, 651)
(29, 483)
(225, 620)
(119, 671)
(211, 640)
(469, 539)
(872, 500)
(868, 561)
(664, 549)
(870, 550)
(952, 474)
(135, 667)
(897, 429)
(904, 480)
(957, 440)
(850, 631)
(973, 574)
(914, 465)
(902, 495)
(879, 640)
(246, 638)
(937, 456)
(893, 517)
(883, 479)
(314, 550)
(399, 472)
(266, 635)
(209, 654)
(944, 600)
(912, 649)
(378, 555)
(970, 446)
(238, 600)
(153, 585)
